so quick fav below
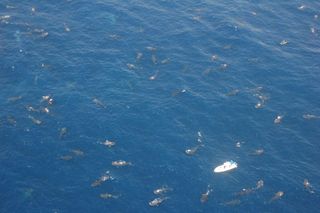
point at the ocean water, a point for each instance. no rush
(157, 77)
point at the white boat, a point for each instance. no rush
(226, 166)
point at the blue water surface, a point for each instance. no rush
(157, 77)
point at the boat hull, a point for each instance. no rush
(227, 166)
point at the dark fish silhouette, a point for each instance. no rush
(248, 191)
(66, 157)
(278, 119)
(257, 152)
(151, 48)
(131, 66)
(234, 202)
(15, 98)
(121, 163)
(48, 99)
(177, 92)
(309, 116)
(193, 150)
(157, 201)
(109, 143)
(154, 59)
(139, 56)
(154, 76)
(63, 132)
(162, 190)
(308, 186)
(259, 105)
(32, 109)
(259, 185)
(165, 61)
(102, 179)
(233, 92)
(205, 196)
(245, 192)
(77, 152)
(99, 103)
(34, 120)
(108, 196)
(207, 71)
(276, 196)
(11, 120)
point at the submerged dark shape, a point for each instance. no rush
(151, 48)
(5, 19)
(278, 119)
(310, 116)
(109, 143)
(157, 201)
(121, 163)
(77, 152)
(45, 110)
(238, 144)
(139, 56)
(40, 32)
(154, 59)
(74, 153)
(32, 109)
(284, 42)
(63, 132)
(34, 120)
(193, 150)
(177, 92)
(165, 61)
(262, 100)
(259, 185)
(208, 71)
(11, 120)
(48, 99)
(258, 105)
(99, 103)
(245, 192)
(28, 192)
(214, 57)
(234, 202)
(66, 157)
(114, 37)
(108, 196)
(162, 190)
(102, 179)
(223, 67)
(308, 186)
(257, 152)
(66, 28)
(233, 92)
(14, 98)
(205, 196)
(154, 76)
(276, 196)
(131, 66)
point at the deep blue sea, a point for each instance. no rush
(157, 78)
